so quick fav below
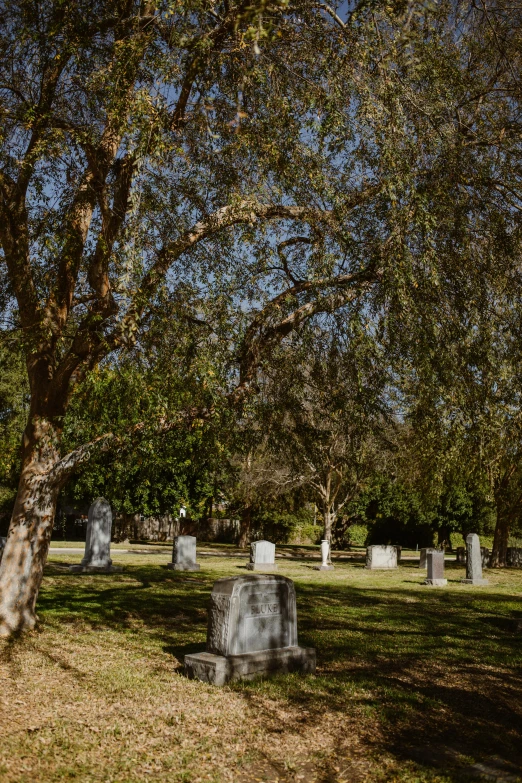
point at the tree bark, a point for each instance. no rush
(246, 523)
(328, 520)
(29, 535)
(500, 542)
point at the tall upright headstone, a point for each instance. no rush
(98, 540)
(435, 564)
(184, 554)
(381, 557)
(326, 563)
(262, 556)
(252, 631)
(473, 562)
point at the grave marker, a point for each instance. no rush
(184, 554)
(473, 562)
(378, 557)
(423, 562)
(262, 556)
(252, 631)
(97, 556)
(435, 577)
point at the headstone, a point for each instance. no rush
(262, 556)
(97, 556)
(423, 563)
(473, 562)
(2, 546)
(461, 555)
(184, 554)
(514, 556)
(381, 557)
(252, 631)
(435, 565)
(326, 563)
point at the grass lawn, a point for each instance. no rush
(413, 683)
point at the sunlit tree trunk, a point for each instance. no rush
(29, 535)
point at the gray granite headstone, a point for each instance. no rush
(252, 631)
(435, 565)
(381, 557)
(473, 561)
(514, 556)
(98, 539)
(184, 554)
(423, 562)
(262, 556)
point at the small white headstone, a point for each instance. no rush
(381, 557)
(184, 554)
(262, 556)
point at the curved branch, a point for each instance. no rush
(245, 212)
(262, 335)
(61, 471)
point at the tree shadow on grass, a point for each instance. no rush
(434, 667)
(440, 668)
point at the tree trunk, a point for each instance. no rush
(328, 520)
(444, 538)
(246, 523)
(29, 535)
(500, 542)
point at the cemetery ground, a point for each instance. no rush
(413, 683)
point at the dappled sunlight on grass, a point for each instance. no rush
(406, 674)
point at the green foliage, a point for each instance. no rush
(395, 515)
(14, 406)
(284, 527)
(358, 534)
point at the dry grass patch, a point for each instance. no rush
(413, 684)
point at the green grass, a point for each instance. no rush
(413, 683)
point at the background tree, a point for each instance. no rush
(147, 146)
(328, 415)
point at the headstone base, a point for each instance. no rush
(474, 581)
(324, 568)
(436, 582)
(381, 568)
(263, 567)
(81, 569)
(184, 566)
(220, 669)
